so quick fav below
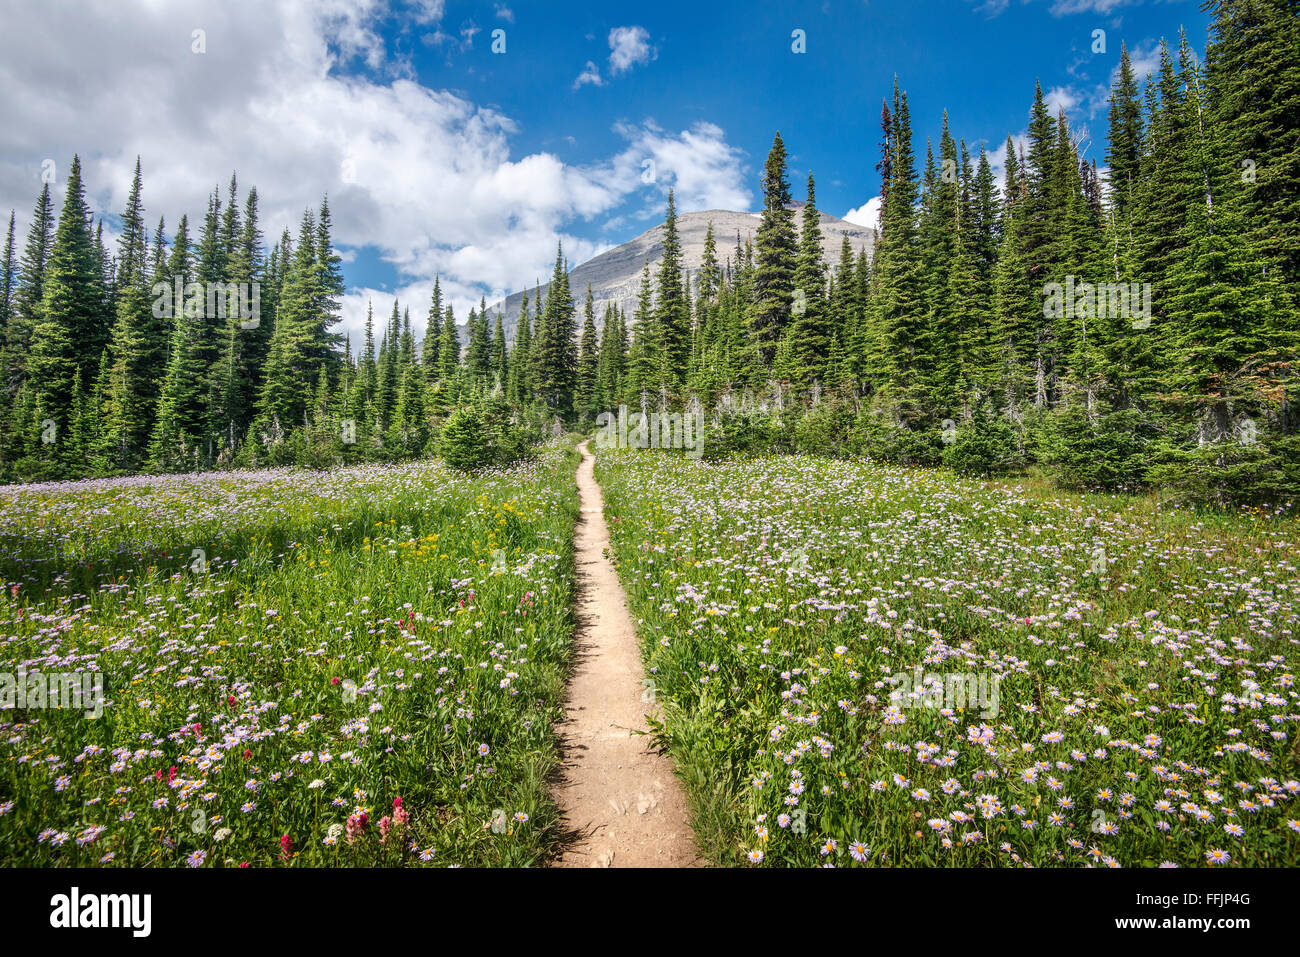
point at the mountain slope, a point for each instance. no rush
(615, 275)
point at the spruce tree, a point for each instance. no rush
(671, 322)
(810, 331)
(776, 253)
(31, 289)
(134, 367)
(70, 298)
(555, 353)
(1123, 153)
(585, 377)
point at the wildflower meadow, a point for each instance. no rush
(354, 667)
(866, 665)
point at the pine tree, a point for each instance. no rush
(642, 362)
(810, 332)
(245, 339)
(585, 384)
(500, 355)
(1253, 69)
(432, 338)
(671, 324)
(70, 299)
(31, 288)
(1225, 313)
(555, 354)
(449, 349)
(368, 375)
(886, 165)
(613, 357)
(135, 357)
(1123, 155)
(8, 282)
(299, 340)
(478, 351)
(776, 253)
(389, 372)
(519, 386)
(901, 339)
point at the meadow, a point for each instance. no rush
(1123, 671)
(354, 667)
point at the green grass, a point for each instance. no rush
(1140, 655)
(348, 638)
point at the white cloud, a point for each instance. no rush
(504, 13)
(998, 157)
(1064, 8)
(425, 177)
(590, 75)
(1059, 8)
(868, 214)
(1062, 98)
(429, 11)
(1145, 59)
(1078, 102)
(628, 47)
(701, 167)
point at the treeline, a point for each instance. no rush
(104, 370)
(1130, 329)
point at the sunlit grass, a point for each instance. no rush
(346, 640)
(1141, 655)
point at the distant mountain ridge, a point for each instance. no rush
(615, 275)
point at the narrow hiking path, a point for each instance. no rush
(621, 803)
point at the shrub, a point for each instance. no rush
(1229, 473)
(464, 443)
(487, 433)
(985, 446)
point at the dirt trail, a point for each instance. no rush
(621, 803)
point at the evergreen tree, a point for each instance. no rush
(776, 253)
(810, 331)
(133, 368)
(31, 286)
(71, 287)
(555, 355)
(1123, 155)
(585, 376)
(671, 324)
(519, 386)
(901, 340)
(1253, 69)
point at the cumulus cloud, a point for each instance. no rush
(868, 214)
(425, 177)
(998, 157)
(703, 169)
(1145, 58)
(1078, 102)
(590, 75)
(629, 46)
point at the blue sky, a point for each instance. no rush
(444, 157)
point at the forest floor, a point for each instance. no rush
(622, 805)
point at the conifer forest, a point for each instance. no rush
(956, 531)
